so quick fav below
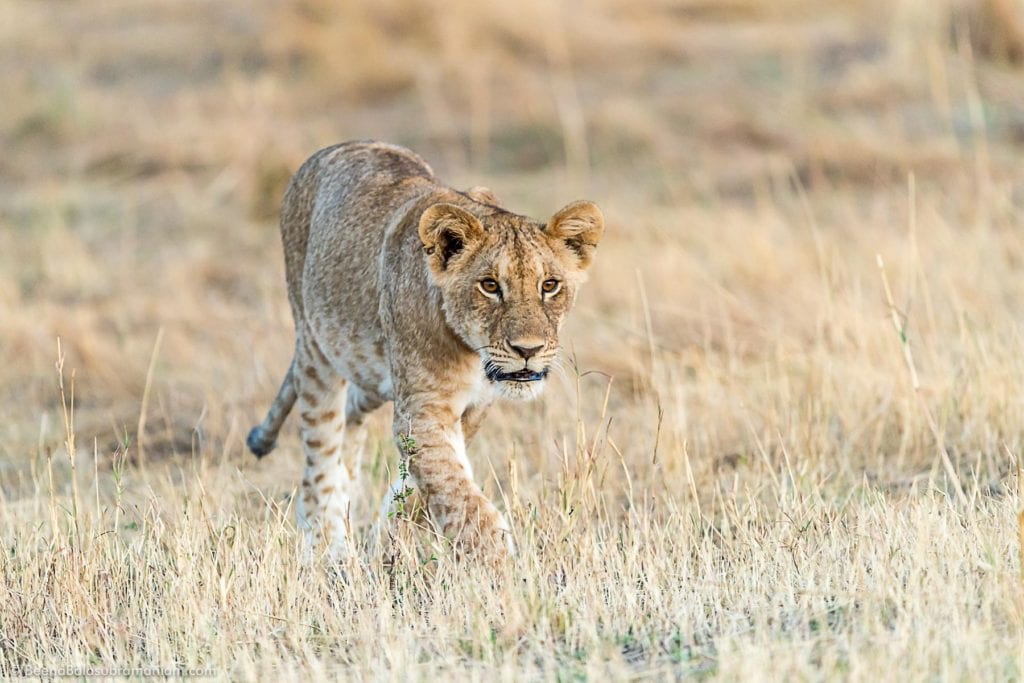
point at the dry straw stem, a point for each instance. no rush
(908, 356)
(140, 431)
(900, 324)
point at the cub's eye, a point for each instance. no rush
(550, 286)
(489, 286)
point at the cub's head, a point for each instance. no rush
(507, 282)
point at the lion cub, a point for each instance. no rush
(406, 290)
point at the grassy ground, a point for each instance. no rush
(760, 464)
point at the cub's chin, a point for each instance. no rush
(521, 391)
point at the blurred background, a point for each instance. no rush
(758, 463)
(751, 158)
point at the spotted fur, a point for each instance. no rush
(388, 273)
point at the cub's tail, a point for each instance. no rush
(263, 437)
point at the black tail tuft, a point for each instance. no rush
(258, 442)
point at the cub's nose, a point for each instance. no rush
(527, 347)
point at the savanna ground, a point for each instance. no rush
(758, 464)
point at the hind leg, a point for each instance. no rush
(327, 484)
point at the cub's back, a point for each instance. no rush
(334, 213)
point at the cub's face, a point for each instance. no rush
(507, 283)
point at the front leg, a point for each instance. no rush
(431, 441)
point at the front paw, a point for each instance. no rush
(479, 529)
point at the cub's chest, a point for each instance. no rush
(479, 392)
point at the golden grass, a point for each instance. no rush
(758, 463)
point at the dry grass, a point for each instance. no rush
(738, 478)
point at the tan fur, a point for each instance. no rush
(386, 268)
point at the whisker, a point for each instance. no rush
(561, 371)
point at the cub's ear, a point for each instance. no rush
(484, 195)
(579, 225)
(445, 231)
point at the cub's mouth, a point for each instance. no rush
(496, 374)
